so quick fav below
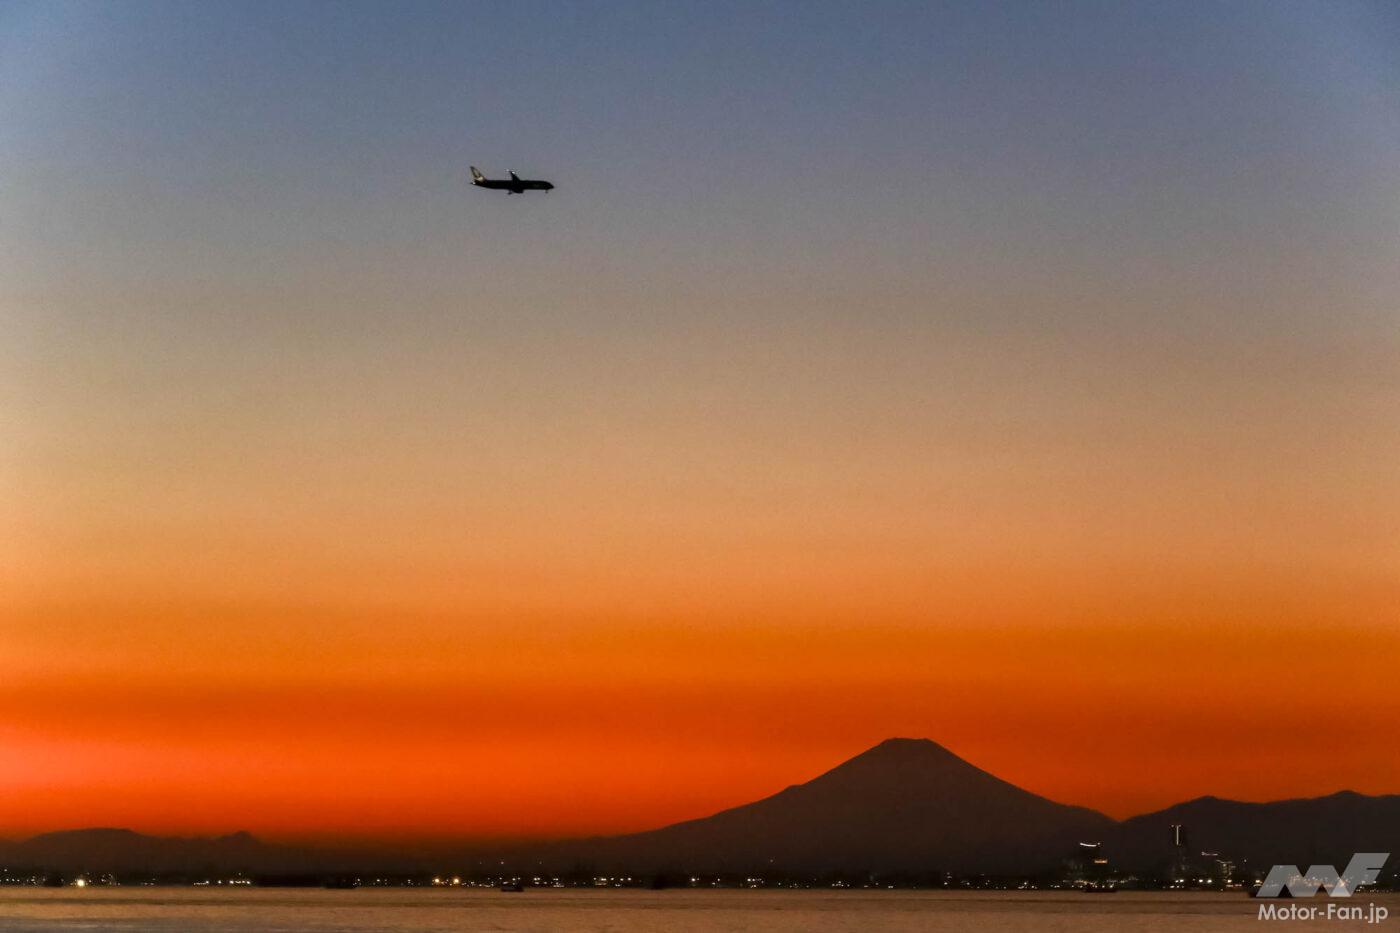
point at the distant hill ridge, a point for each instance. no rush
(118, 850)
(903, 805)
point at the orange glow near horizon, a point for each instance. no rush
(417, 728)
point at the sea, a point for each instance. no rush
(407, 910)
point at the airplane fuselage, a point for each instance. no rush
(515, 187)
(512, 185)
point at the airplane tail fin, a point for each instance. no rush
(477, 177)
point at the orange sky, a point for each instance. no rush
(1022, 378)
(1126, 682)
(319, 621)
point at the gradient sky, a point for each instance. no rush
(1023, 376)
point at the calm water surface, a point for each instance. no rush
(196, 910)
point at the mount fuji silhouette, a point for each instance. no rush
(906, 804)
(903, 806)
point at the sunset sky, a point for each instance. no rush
(1021, 376)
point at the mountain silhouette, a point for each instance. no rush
(1315, 830)
(122, 850)
(903, 806)
(906, 804)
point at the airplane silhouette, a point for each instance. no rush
(516, 185)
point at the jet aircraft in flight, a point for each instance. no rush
(516, 184)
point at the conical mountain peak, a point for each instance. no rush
(904, 749)
(902, 802)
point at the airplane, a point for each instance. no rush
(516, 185)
